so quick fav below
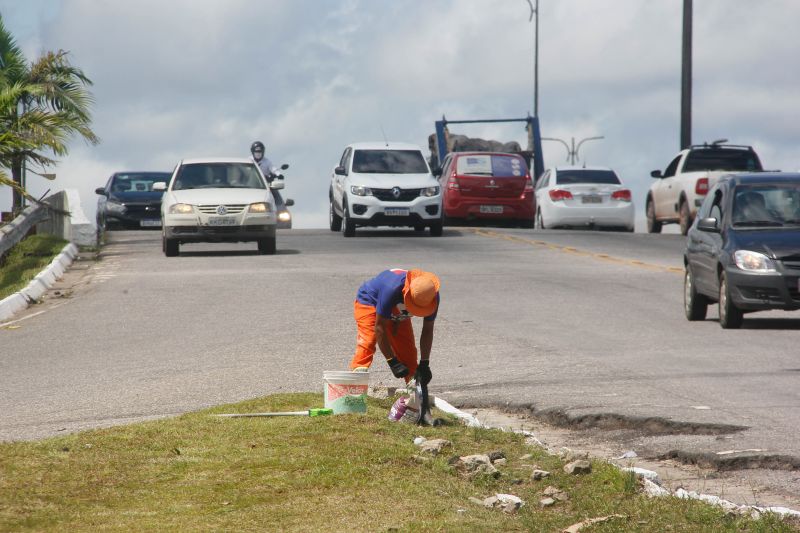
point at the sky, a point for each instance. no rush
(174, 79)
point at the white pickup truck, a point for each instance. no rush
(683, 185)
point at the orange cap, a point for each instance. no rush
(419, 292)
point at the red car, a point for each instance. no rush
(488, 186)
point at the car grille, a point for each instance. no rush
(386, 195)
(211, 209)
(143, 210)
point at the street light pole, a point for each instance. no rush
(572, 150)
(535, 11)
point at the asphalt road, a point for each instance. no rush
(584, 329)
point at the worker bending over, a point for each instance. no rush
(383, 309)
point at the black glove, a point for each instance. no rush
(398, 369)
(424, 374)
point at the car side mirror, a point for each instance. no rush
(159, 186)
(708, 224)
(656, 174)
(101, 191)
(340, 171)
(276, 184)
(289, 202)
(284, 166)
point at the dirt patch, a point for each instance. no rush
(758, 484)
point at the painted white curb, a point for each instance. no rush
(41, 282)
(652, 483)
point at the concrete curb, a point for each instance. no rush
(39, 284)
(652, 481)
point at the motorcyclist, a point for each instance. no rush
(267, 168)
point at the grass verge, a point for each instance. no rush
(26, 259)
(339, 473)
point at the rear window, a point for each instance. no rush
(218, 176)
(389, 162)
(567, 177)
(719, 159)
(137, 182)
(497, 166)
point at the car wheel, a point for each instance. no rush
(267, 246)
(653, 225)
(171, 247)
(539, 220)
(694, 305)
(348, 226)
(730, 316)
(437, 229)
(685, 218)
(334, 220)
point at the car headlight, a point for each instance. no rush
(115, 208)
(259, 207)
(430, 191)
(753, 261)
(284, 216)
(181, 209)
(358, 190)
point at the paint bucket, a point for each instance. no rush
(346, 392)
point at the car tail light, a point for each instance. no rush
(528, 185)
(623, 195)
(701, 187)
(452, 183)
(560, 194)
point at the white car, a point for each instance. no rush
(384, 184)
(583, 197)
(218, 200)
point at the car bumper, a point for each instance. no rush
(369, 211)
(133, 221)
(621, 215)
(760, 291)
(473, 208)
(194, 228)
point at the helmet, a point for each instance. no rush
(257, 146)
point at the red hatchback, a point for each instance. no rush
(487, 186)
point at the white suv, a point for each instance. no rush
(384, 184)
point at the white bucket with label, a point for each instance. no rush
(346, 392)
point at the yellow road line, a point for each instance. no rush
(576, 251)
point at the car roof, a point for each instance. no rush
(142, 172)
(459, 154)
(194, 160)
(761, 177)
(384, 146)
(573, 167)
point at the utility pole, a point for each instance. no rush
(535, 11)
(686, 77)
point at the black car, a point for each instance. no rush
(743, 250)
(128, 201)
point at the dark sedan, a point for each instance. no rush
(128, 201)
(743, 251)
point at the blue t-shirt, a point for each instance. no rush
(385, 292)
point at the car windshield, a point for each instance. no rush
(137, 182)
(497, 166)
(721, 159)
(389, 162)
(582, 175)
(766, 205)
(218, 176)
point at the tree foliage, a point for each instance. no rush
(42, 106)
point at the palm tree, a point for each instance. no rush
(42, 105)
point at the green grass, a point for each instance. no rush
(339, 473)
(29, 257)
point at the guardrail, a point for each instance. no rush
(59, 214)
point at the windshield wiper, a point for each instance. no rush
(758, 223)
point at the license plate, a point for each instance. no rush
(150, 223)
(592, 199)
(491, 209)
(222, 221)
(396, 212)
